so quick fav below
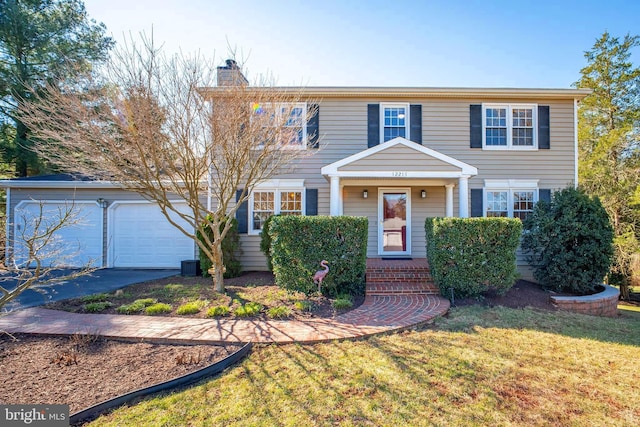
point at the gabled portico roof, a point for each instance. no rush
(399, 158)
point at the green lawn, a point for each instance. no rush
(479, 366)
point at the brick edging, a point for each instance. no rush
(604, 303)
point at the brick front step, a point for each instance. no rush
(399, 277)
(402, 289)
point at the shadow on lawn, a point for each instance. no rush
(624, 329)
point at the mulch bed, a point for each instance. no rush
(82, 371)
(522, 294)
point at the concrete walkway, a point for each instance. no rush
(378, 314)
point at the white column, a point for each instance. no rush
(463, 190)
(448, 204)
(341, 200)
(335, 200)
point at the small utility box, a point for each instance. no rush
(190, 267)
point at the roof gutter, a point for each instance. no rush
(413, 92)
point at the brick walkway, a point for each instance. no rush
(378, 314)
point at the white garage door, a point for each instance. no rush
(76, 244)
(140, 236)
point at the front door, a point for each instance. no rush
(394, 221)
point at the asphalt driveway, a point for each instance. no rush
(102, 280)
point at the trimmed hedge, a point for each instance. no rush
(299, 243)
(569, 242)
(230, 249)
(472, 255)
(265, 241)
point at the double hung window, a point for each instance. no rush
(290, 121)
(394, 121)
(265, 202)
(510, 198)
(509, 126)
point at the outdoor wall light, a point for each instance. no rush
(365, 194)
(423, 194)
(102, 202)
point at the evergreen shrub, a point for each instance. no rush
(471, 256)
(569, 242)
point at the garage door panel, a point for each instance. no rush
(77, 244)
(142, 237)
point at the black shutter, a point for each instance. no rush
(311, 201)
(373, 125)
(242, 214)
(475, 114)
(313, 125)
(477, 202)
(544, 141)
(415, 131)
(544, 195)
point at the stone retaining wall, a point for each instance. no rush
(604, 303)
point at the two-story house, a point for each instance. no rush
(396, 155)
(400, 155)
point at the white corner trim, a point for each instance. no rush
(332, 169)
(510, 183)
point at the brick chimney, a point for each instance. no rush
(231, 75)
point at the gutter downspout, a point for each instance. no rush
(575, 142)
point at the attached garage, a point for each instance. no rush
(140, 236)
(116, 228)
(75, 245)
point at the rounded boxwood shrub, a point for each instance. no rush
(569, 242)
(300, 243)
(471, 256)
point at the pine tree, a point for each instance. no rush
(41, 42)
(609, 143)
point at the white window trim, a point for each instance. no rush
(277, 186)
(407, 122)
(305, 138)
(510, 108)
(510, 186)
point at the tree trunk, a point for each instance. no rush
(22, 163)
(217, 268)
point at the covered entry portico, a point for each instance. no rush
(398, 184)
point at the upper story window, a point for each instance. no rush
(394, 121)
(509, 126)
(290, 119)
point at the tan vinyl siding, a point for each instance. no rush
(252, 258)
(445, 128)
(399, 158)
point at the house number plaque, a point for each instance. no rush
(399, 174)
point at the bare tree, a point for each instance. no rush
(157, 125)
(39, 251)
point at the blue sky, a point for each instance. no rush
(455, 43)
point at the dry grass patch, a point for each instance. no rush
(480, 366)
